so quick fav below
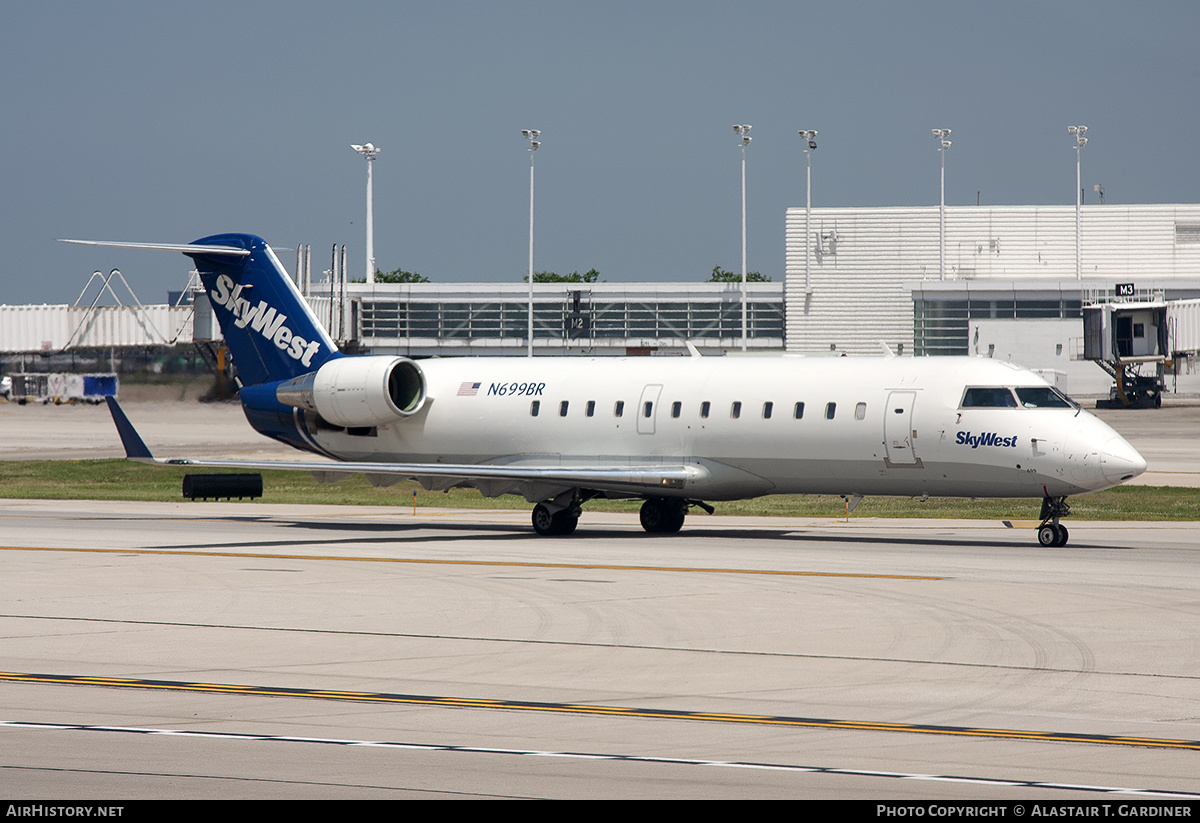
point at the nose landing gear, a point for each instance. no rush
(1051, 533)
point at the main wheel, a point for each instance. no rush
(662, 516)
(1048, 535)
(544, 523)
(549, 525)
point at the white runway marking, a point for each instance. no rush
(675, 761)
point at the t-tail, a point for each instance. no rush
(268, 327)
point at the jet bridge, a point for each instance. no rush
(1127, 336)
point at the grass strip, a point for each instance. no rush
(124, 480)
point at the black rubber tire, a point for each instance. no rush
(662, 516)
(544, 523)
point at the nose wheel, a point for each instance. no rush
(1051, 533)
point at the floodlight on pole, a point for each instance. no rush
(369, 151)
(743, 131)
(532, 136)
(1078, 133)
(941, 136)
(809, 136)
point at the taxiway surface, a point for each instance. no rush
(251, 650)
(205, 650)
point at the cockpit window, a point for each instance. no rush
(988, 398)
(1043, 397)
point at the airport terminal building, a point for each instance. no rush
(1009, 287)
(1008, 282)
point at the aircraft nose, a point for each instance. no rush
(1120, 461)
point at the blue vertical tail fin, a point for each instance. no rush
(269, 328)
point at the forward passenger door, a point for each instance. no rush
(898, 434)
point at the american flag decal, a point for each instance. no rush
(468, 389)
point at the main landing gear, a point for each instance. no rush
(550, 523)
(664, 515)
(659, 515)
(1051, 533)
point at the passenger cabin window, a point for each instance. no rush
(562, 409)
(705, 407)
(768, 407)
(534, 408)
(619, 408)
(860, 411)
(648, 409)
(1042, 397)
(830, 410)
(735, 411)
(988, 398)
(798, 412)
(591, 408)
(676, 409)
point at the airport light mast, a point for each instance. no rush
(941, 136)
(369, 151)
(1078, 133)
(743, 131)
(532, 136)
(809, 136)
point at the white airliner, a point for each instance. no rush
(676, 432)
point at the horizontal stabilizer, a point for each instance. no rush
(186, 248)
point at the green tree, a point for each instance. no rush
(399, 276)
(590, 276)
(719, 275)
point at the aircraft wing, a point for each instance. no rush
(536, 481)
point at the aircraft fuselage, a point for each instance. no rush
(756, 425)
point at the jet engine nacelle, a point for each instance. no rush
(358, 391)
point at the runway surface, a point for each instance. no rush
(251, 650)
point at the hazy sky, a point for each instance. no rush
(166, 121)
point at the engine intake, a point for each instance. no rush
(358, 391)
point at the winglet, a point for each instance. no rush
(135, 449)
